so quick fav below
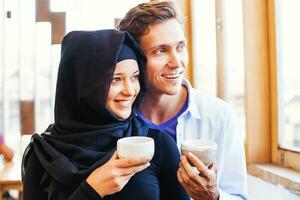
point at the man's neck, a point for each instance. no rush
(159, 108)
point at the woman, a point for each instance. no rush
(100, 84)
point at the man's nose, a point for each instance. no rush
(175, 60)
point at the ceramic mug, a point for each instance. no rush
(135, 146)
(204, 149)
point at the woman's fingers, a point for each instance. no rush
(127, 166)
(115, 174)
(130, 162)
(133, 170)
(114, 156)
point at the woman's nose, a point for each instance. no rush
(128, 89)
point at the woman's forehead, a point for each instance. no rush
(128, 66)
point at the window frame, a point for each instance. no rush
(281, 156)
(262, 123)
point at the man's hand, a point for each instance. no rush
(202, 185)
(114, 175)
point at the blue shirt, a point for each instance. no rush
(209, 117)
(170, 125)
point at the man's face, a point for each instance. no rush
(165, 49)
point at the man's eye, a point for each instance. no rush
(159, 51)
(116, 79)
(181, 47)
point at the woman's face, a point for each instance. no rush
(124, 88)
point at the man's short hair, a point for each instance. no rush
(139, 18)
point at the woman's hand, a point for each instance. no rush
(114, 175)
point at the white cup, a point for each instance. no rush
(204, 149)
(136, 146)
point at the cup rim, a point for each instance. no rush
(143, 147)
(139, 140)
(194, 144)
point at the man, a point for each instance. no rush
(174, 106)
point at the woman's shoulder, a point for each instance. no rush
(162, 139)
(31, 161)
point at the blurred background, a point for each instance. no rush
(243, 51)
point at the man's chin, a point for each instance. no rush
(172, 91)
(167, 90)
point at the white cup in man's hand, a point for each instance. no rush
(204, 149)
(136, 146)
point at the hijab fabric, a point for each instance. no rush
(85, 133)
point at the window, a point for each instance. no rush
(29, 60)
(270, 31)
(288, 68)
(287, 149)
(234, 57)
(204, 44)
(218, 51)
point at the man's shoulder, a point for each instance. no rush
(205, 98)
(208, 106)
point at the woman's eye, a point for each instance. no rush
(115, 79)
(135, 77)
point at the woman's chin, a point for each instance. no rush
(124, 114)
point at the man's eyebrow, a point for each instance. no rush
(157, 47)
(184, 41)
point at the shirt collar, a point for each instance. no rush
(192, 104)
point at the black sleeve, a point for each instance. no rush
(32, 178)
(32, 189)
(170, 188)
(84, 191)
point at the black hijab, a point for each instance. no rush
(85, 133)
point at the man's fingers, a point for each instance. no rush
(191, 173)
(130, 162)
(180, 179)
(186, 180)
(198, 164)
(184, 175)
(214, 168)
(210, 166)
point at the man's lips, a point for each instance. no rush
(172, 75)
